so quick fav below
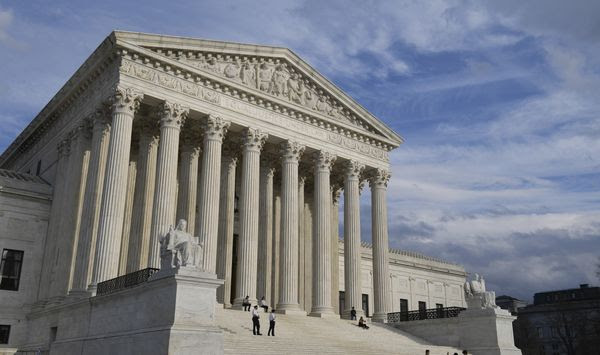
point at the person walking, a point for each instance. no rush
(246, 303)
(255, 321)
(353, 314)
(271, 323)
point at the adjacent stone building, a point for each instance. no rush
(560, 322)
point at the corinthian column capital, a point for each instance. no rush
(215, 128)
(172, 114)
(379, 178)
(353, 169)
(254, 139)
(125, 100)
(323, 160)
(292, 150)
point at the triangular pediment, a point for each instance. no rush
(273, 71)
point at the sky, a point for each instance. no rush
(497, 102)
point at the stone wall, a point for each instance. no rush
(24, 211)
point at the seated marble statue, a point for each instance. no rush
(179, 248)
(477, 296)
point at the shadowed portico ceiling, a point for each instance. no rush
(271, 72)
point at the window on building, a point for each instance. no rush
(4, 333)
(540, 331)
(554, 332)
(10, 269)
(403, 309)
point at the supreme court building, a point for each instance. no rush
(249, 144)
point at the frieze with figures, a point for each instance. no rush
(272, 76)
(193, 89)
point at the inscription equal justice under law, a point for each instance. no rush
(191, 89)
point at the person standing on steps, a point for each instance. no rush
(353, 314)
(255, 321)
(271, 323)
(246, 303)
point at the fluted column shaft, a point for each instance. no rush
(208, 204)
(321, 302)
(91, 206)
(188, 186)
(125, 242)
(58, 196)
(265, 231)
(226, 220)
(352, 260)
(139, 239)
(248, 206)
(172, 117)
(379, 229)
(335, 254)
(275, 249)
(301, 236)
(288, 257)
(110, 226)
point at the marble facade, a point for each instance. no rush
(249, 144)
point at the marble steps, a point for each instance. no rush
(306, 335)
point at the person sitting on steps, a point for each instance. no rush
(263, 304)
(246, 303)
(362, 323)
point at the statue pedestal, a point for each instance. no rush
(172, 313)
(487, 331)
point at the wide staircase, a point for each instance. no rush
(309, 335)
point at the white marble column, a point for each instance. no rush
(265, 230)
(288, 256)
(59, 186)
(208, 203)
(124, 104)
(143, 199)
(172, 116)
(131, 178)
(188, 183)
(301, 235)
(276, 239)
(226, 221)
(253, 141)
(71, 210)
(381, 295)
(91, 206)
(352, 261)
(336, 191)
(321, 302)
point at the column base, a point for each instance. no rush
(323, 314)
(92, 288)
(379, 317)
(290, 309)
(291, 312)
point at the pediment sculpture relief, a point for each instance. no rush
(275, 78)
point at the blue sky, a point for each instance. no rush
(497, 100)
